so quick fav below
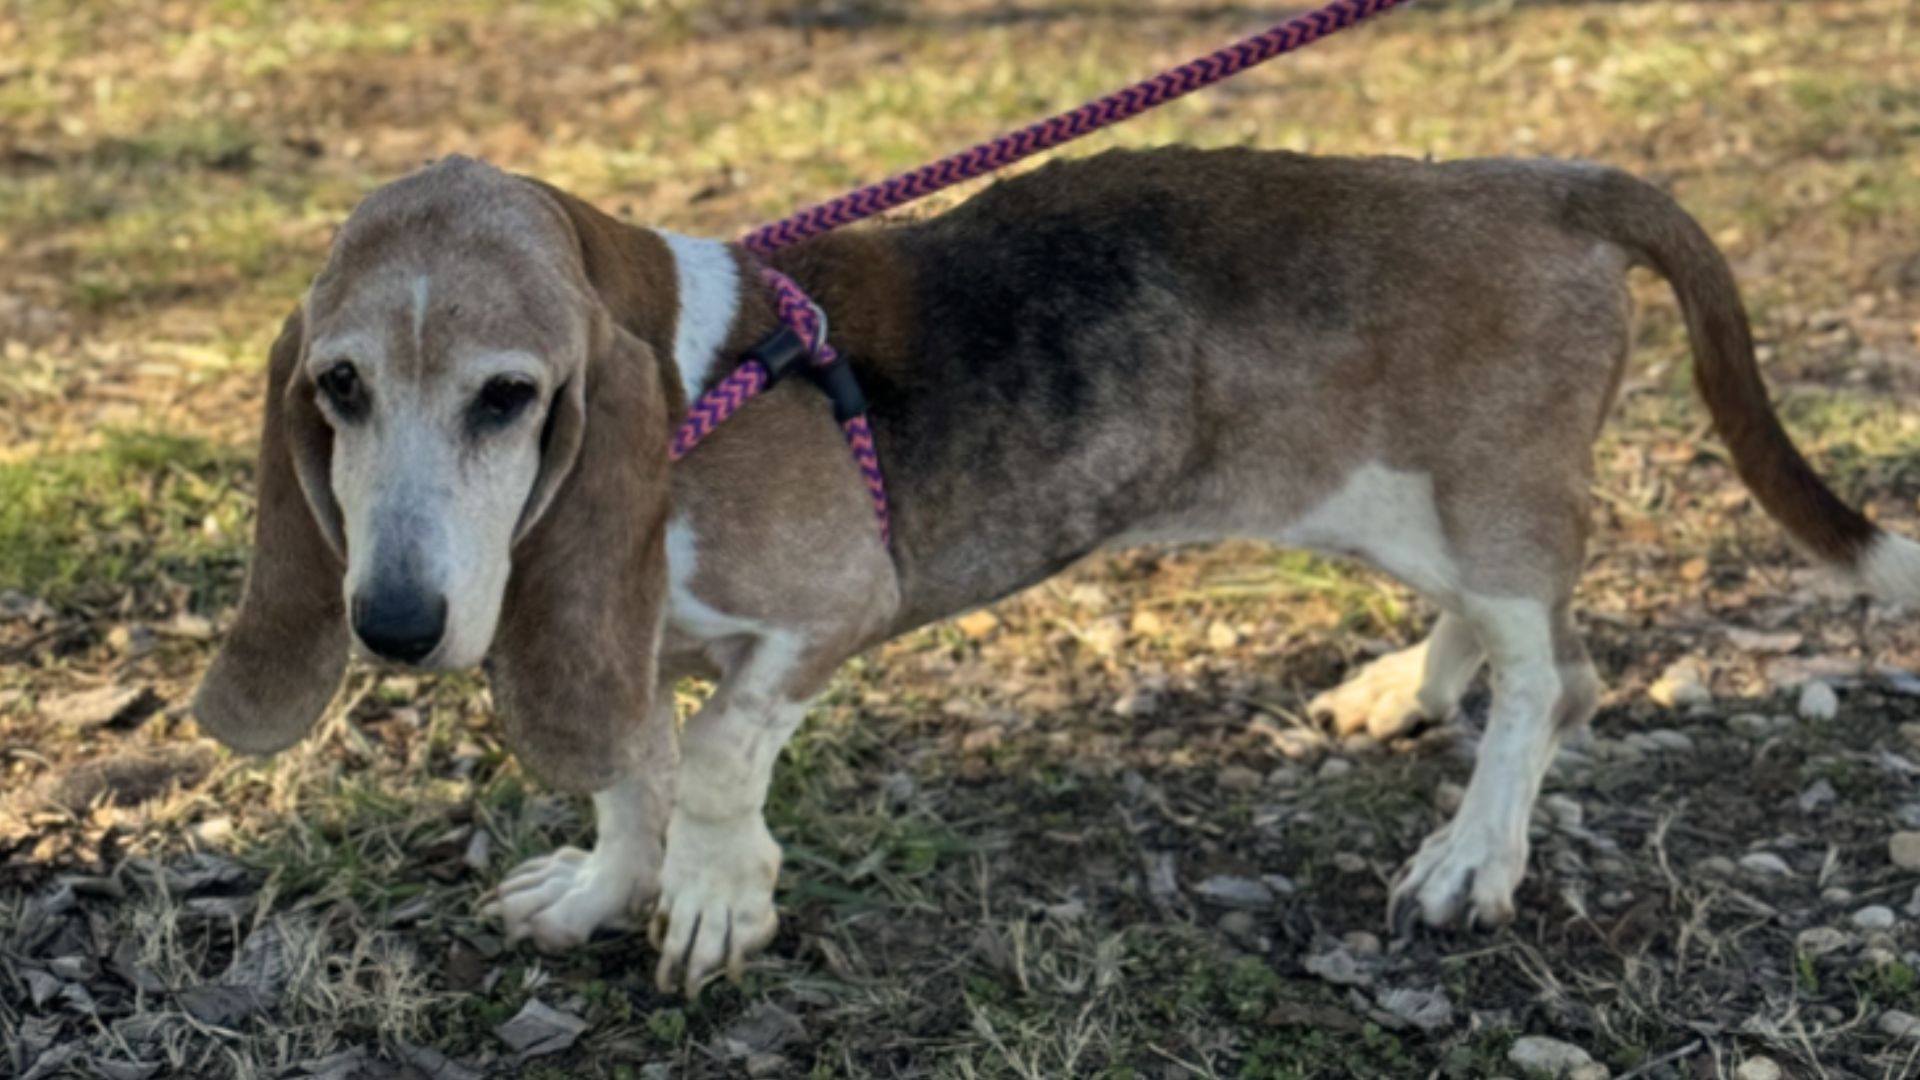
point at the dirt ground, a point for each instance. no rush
(1087, 834)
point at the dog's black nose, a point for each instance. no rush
(400, 624)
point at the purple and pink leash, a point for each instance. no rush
(799, 314)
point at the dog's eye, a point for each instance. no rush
(341, 384)
(503, 398)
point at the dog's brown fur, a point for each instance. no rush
(1402, 361)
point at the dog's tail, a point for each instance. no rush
(1657, 233)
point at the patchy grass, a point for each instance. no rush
(995, 841)
(145, 509)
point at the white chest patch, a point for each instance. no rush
(686, 612)
(709, 284)
(1387, 517)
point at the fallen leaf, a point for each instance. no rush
(220, 1005)
(112, 706)
(539, 1028)
(978, 624)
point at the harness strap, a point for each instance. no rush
(803, 317)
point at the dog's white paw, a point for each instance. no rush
(1464, 875)
(559, 900)
(716, 899)
(1382, 699)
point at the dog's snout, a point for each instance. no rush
(404, 625)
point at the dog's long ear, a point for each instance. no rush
(575, 660)
(284, 657)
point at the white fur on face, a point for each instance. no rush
(428, 500)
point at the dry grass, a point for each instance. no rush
(978, 827)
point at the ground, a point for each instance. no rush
(1089, 833)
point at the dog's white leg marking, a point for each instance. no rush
(1398, 691)
(709, 284)
(559, 900)
(1472, 865)
(716, 887)
(420, 288)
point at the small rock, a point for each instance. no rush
(1334, 768)
(1821, 940)
(1684, 683)
(1757, 1068)
(1716, 866)
(1237, 923)
(1146, 624)
(656, 1070)
(1349, 863)
(1900, 1025)
(1876, 958)
(1836, 896)
(1279, 883)
(1541, 1056)
(1362, 943)
(1765, 864)
(1448, 796)
(1286, 776)
(1904, 849)
(1221, 636)
(1818, 702)
(1239, 778)
(1592, 1070)
(1818, 794)
(1873, 917)
(1237, 892)
(1913, 903)
(215, 831)
(1566, 811)
(1678, 742)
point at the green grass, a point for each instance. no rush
(145, 506)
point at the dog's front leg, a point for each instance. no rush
(559, 900)
(716, 886)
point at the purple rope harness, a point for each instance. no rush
(798, 312)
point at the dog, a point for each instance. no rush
(464, 458)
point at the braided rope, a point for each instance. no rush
(1196, 74)
(798, 311)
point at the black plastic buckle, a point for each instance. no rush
(837, 382)
(779, 352)
(782, 351)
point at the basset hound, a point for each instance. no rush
(465, 460)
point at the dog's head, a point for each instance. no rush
(464, 457)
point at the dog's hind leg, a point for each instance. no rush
(1543, 686)
(558, 900)
(1397, 692)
